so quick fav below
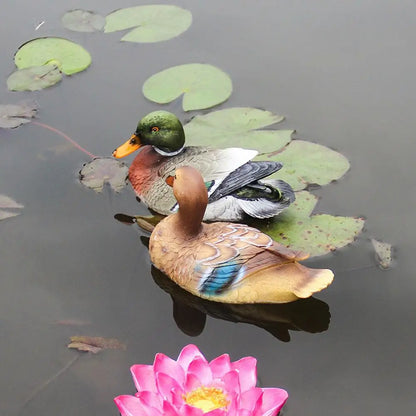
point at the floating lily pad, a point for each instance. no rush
(99, 171)
(83, 21)
(383, 253)
(316, 234)
(8, 203)
(237, 126)
(203, 86)
(152, 23)
(68, 56)
(34, 78)
(95, 344)
(13, 115)
(307, 163)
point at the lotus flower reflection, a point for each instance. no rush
(192, 386)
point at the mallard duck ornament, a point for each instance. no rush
(235, 184)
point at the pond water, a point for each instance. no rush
(343, 75)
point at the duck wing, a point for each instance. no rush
(236, 251)
(213, 164)
(249, 173)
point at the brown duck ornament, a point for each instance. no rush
(226, 262)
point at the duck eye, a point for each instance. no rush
(155, 128)
(133, 141)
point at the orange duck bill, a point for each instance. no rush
(130, 146)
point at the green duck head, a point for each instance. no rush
(160, 129)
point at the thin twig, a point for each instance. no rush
(45, 384)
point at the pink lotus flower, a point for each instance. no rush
(192, 386)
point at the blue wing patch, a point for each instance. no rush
(218, 279)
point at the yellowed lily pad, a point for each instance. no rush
(83, 21)
(14, 115)
(383, 252)
(95, 344)
(99, 171)
(151, 23)
(307, 163)
(34, 78)
(237, 126)
(202, 86)
(68, 56)
(316, 234)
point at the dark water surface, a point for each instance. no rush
(343, 73)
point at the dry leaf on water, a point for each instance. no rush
(384, 256)
(95, 344)
(13, 115)
(9, 203)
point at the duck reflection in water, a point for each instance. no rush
(189, 312)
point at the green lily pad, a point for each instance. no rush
(83, 21)
(203, 86)
(383, 253)
(34, 78)
(99, 171)
(14, 115)
(152, 23)
(307, 163)
(315, 234)
(68, 56)
(8, 203)
(237, 126)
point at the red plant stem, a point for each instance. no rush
(66, 137)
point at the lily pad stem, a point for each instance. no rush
(66, 137)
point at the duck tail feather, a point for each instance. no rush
(285, 189)
(261, 207)
(314, 280)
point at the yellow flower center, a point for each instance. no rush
(206, 398)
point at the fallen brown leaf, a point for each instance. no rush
(95, 344)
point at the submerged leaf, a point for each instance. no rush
(152, 23)
(95, 344)
(72, 322)
(68, 56)
(8, 203)
(203, 86)
(99, 171)
(383, 253)
(307, 163)
(34, 78)
(13, 115)
(237, 126)
(83, 21)
(317, 234)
